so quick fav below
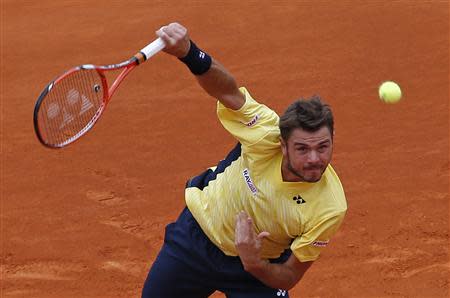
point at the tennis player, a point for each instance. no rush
(256, 222)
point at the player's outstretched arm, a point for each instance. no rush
(210, 74)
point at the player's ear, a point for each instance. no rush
(283, 146)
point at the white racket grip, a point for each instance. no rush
(153, 48)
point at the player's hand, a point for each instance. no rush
(176, 38)
(248, 244)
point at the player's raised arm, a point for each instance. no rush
(211, 75)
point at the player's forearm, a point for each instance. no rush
(278, 276)
(220, 84)
(211, 75)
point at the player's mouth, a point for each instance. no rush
(313, 169)
(314, 173)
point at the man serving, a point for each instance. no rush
(255, 222)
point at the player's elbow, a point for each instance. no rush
(289, 284)
(234, 100)
(296, 273)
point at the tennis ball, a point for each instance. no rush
(390, 92)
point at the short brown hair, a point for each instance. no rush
(309, 114)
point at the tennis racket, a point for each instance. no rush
(71, 104)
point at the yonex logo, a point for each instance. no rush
(281, 293)
(201, 55)
(299, 199)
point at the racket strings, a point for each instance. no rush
(71, 107)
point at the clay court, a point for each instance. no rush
(88, 220)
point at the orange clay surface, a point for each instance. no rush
(88, 220)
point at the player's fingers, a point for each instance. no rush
(239, 230)
(242, 214)
(177, 35)
(242, 225)
(177, 30)
(162, 35)
(175, 38)
(263, 235)
(239, 219)
(167, 30)
(167, 36)
(246, 223)
(178, 26)
(160, 30)
(180, 32)
(174, 31)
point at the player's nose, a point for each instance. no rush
(313, 157)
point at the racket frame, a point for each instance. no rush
(108, 91)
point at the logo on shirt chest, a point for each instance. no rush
(299, 199)
(249, 182)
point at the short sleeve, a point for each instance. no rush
(254, 125)
(308, 246)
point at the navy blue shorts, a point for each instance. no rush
(189, 265)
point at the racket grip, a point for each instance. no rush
(151, 49)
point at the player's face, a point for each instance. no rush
(306, 155)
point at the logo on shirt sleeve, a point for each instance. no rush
(253, 121)
(321, 243)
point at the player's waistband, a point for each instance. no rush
(190, 243)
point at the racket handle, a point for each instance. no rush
(150, 50)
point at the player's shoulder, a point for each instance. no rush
(251, 106)
(337, 194)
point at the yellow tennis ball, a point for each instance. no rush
(390, 92)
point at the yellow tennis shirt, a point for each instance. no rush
(298, 215)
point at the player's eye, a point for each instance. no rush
(323, 148)
(302, 150)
